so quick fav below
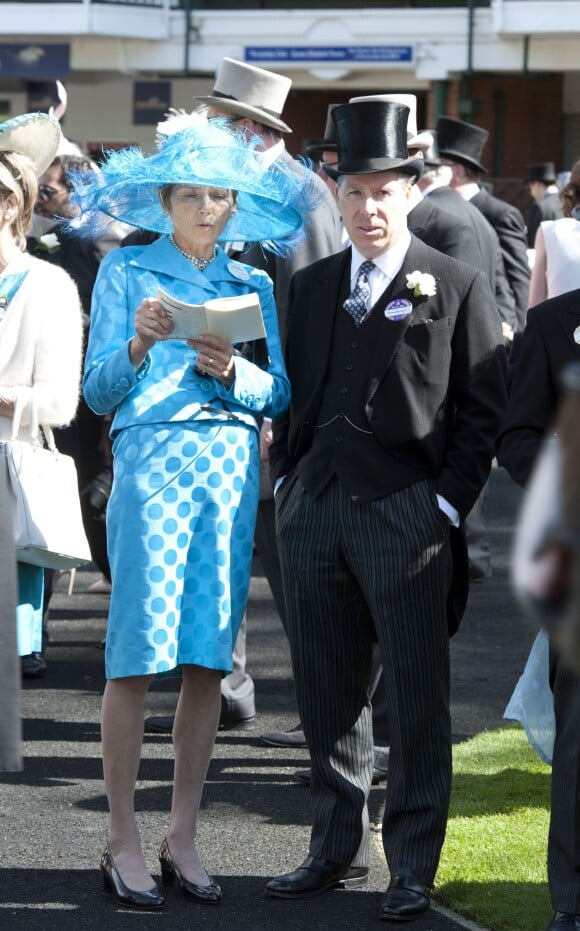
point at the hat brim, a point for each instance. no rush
(551, 180)
(37, 136)
(270, 205)
(462, 159)
(238, 108)
(409, 166)
(422, 140)
(317, 146)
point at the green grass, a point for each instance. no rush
(493, 864)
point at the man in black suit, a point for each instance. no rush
(547, 204)
(461, 145)
(397, 395)
(551, 341)
(434, 183)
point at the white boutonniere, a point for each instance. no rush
(421, 284)
(49, 242)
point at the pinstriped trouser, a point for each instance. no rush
(355, 572)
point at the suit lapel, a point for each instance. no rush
(326, 295)
(393, 331)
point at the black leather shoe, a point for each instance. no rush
(292, 738)
(479, 573)
(564, 921)
(303, 776)
(314, 877)
(171, 874)
(163, 724)
(160, 724)
(232, 717)
(33, 666)
(406, 898)
(150, 899)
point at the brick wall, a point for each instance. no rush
(524, 118)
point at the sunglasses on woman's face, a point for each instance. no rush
(45, 191)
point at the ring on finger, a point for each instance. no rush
(210, 360)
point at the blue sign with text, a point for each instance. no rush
(333, 54)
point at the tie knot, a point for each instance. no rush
(366, 267)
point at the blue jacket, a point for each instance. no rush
(167, 387)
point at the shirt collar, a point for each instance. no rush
(268, 156)
(468, 191)
(389, 262)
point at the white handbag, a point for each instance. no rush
(44, 499)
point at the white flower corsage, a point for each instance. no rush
(421, 284)
(49, 242)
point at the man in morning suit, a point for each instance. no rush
(551, 341)
(397, 395)
(547, 204)
(435, 185)
(461, 144)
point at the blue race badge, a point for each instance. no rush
(238, 271)
(398, 309)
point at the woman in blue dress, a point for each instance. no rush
(180, 519)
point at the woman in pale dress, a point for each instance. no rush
(40, 331)
(557, 248)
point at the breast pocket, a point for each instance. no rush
(426, 350)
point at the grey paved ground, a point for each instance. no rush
(255, 816)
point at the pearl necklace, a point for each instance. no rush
(200, 264)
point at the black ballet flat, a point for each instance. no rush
(171, 874)
(150, 900)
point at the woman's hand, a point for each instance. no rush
(151, 325)
(215, 356)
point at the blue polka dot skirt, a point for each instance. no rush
(180, 531)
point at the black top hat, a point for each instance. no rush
(543, 171)
(462, 142)
(372, 136)
(316, 147)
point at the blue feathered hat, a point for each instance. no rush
(271, 201)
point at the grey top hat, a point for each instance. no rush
(35, 135)
(542, 171)
(372, 136)
(431, 155)
(461, 142)
(245, 90)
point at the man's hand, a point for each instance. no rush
(265, 438)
